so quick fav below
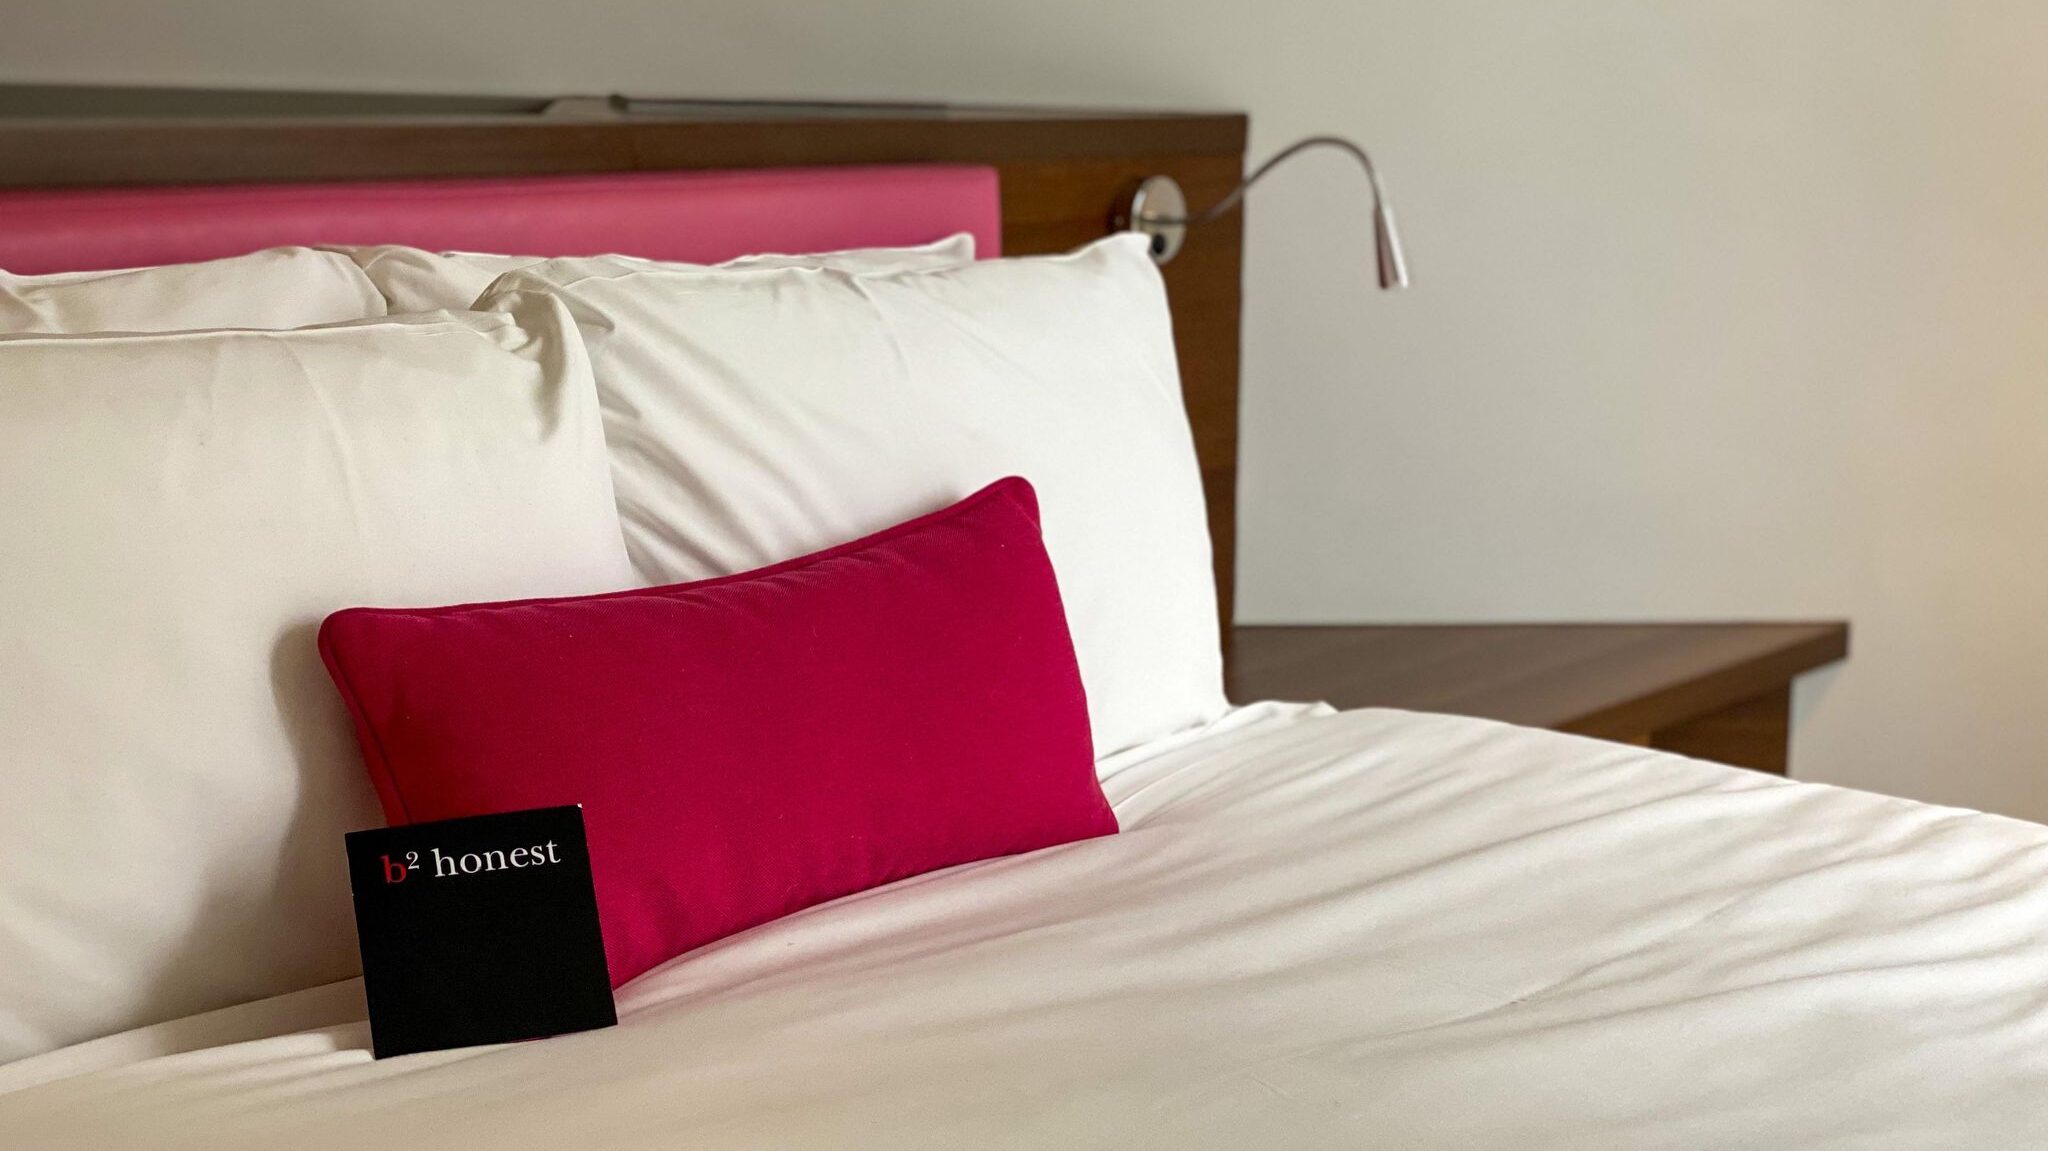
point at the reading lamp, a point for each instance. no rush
(1160, 210)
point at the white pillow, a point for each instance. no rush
(413, 280)
(182, 511)
(755, 416)
(274, 288)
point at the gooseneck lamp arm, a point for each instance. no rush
(1159, 210)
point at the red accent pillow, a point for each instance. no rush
(750, 745)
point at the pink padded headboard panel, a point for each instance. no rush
(703, 217)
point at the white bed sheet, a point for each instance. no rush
(1317, 930)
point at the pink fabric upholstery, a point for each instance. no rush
(702, 217)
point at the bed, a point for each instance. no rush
(1315, 929)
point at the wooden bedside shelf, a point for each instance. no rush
(1715, 691)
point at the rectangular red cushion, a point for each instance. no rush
(750, 745)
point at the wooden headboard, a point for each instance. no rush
(1065, 175)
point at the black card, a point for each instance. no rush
(480, 930)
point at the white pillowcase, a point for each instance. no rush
(413, 280)
(273, 288)
(755, 416)
(182, 511)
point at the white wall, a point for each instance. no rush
(1730, 309)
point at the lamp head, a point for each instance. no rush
(1387, 241)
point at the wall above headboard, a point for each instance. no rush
(1065, 174)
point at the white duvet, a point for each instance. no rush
(1373, 929)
